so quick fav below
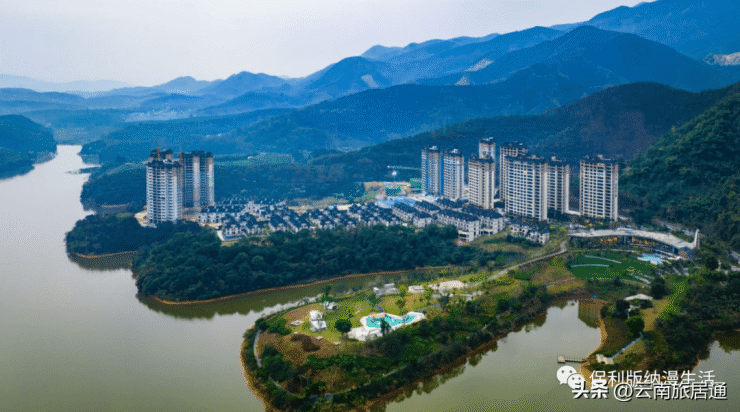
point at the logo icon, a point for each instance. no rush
(564, 373)
(576, 381)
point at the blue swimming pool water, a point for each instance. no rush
(654, 259)
(375, 323)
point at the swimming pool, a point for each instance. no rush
(392, 320)
(654, 259)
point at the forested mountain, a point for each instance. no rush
(353, 121)
(255, 101)
(622, 121)
(423, 50)
(692, 174)
(695, 28)
(135, 141)
(436, 58)
(375, 116)
(21, 141)
(240, 83)
(597, 58)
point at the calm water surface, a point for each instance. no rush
(75, 337)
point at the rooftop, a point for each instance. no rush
(665, 238)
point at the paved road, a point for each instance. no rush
(560, 252)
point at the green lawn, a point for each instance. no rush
(679, 288)
(628, 266)
(617, 336)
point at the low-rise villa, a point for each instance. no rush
(317, 321)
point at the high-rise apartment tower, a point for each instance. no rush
(558, 185)
(431, 171)
(454, 174)
(481, 181)
(526, 193)
(509, 149)
(163, 188)
(599, 192)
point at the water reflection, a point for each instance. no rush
(104, 263)
(729, 341)
(588, 312)
(256, 303)
(242, 306)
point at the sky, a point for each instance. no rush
(149, 42)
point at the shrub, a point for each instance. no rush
(307, 343)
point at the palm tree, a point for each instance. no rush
(384, 327)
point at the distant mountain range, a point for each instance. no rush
(392, 92)
(12, 82)
(596, 58)
(696, 28)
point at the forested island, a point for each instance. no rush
(22, 142)
(194, 266)
(295, 373)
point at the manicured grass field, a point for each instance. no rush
(628, 266)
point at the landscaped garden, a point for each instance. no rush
(610, 265)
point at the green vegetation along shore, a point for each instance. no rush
(108, 234)
(197, 267)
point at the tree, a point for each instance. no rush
(621, 308)
(403, 290)
(401, 303)
(428, 295)
(635, 325)
(658, 290)
(443, 301)
(384, 327)
(343, 325)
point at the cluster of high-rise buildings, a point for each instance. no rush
(174, 184)
(528, 185)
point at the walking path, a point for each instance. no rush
(626, 347)
(602, 258)
(551, 255)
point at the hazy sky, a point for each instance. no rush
(147, 42)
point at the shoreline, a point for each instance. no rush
(80, 255)
(283, 288)
(249, 380)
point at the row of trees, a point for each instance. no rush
(194, 265)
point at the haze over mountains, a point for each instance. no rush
(391, 92)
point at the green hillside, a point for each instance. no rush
(21, 141)
(622, 121)
(692, 174)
